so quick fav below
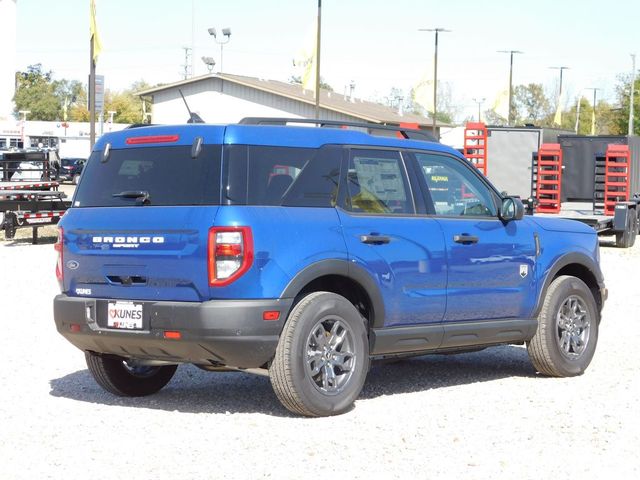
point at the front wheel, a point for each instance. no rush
(124, 378)
(567, 334)
(322, 357)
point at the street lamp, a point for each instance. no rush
(226, 36)
(510, 52)
(479, 101)
(435, 71)
(561, 69)
(209, 62)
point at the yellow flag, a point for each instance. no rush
(306, 59)
(93, 26)
(557, 119)
(423, 90)
(501, 104)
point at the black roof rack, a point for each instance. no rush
(408, 133)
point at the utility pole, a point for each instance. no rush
(510, 52)
(633, 85)
(318, 39)
(435, 72)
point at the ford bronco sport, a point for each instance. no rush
(307, 253)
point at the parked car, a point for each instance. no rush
(71, 169)
(307, 253)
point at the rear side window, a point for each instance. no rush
(282, 176)
(168, 174)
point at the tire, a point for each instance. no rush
(322, 358)
(117, 376)
(567, 334)
(627, 238)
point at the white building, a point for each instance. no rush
(225, 98)
(71, 139)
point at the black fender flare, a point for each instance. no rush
(572, 258)
(343, 268)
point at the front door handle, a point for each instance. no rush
(465, 239)
(375, 239)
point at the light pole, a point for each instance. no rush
(435, 71)
(593, 114)
(510, 52)
(209, 62)
(479, 101)
(561, 70)
(226, 36)
(633, 85)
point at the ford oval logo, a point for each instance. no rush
(72, 265)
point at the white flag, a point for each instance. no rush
(501, 104)
(423, 90)
(306, 59)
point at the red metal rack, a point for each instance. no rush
(549, 178)
(616, 176)
(475, 145)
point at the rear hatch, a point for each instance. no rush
(139, 221)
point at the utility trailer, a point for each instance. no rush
(623, 224)
(29, 196)
(594, 180)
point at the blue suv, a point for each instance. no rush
(307, 253)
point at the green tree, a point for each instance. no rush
(297, 80)
(623, 95)
(531, 105)
(36, 92)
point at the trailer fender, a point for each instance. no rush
(623, 216)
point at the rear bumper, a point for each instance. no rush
(227, 332)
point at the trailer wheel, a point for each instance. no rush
(627, 238)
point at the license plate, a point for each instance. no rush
(124, 315)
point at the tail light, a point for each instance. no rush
(230, 254)
(58, 247)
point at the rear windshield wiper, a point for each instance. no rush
(141, 196)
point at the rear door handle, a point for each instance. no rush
(375, 239)
(465, 239)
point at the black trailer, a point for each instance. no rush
(29, 196)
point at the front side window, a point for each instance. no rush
(455, 190)
(377, 183)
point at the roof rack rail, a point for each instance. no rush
(408, 133)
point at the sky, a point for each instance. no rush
(374, 43)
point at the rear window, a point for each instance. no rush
(282, 176)
(168, 174)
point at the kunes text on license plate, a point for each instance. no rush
(125, 315)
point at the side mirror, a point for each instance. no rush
(511, 209)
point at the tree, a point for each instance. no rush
(36, 92)
(297, 80)
(623, 94)
(531, 105)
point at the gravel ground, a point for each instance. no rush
(481, 415)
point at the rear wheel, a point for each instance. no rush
(322, 358)
(567, 334)
(124, 378)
